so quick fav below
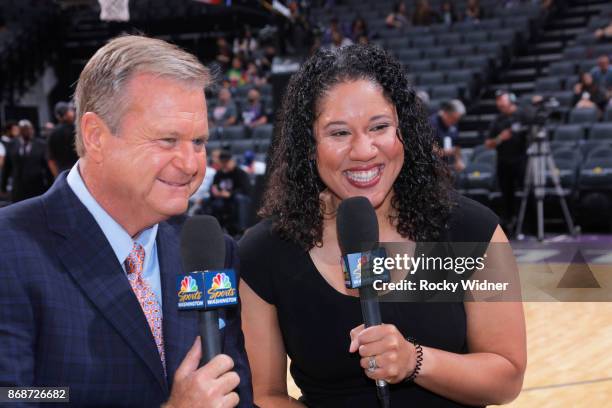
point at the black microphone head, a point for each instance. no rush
(357, 225)
(202, 244)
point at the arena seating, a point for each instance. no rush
(580, 138)
(524, 49)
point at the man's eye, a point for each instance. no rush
(199, 142)
(168, 141)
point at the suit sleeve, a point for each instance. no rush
(17, 329)
(234, 339)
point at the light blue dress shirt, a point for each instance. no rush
(120, 241)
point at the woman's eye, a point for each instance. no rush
(340, 133)
(379, 128)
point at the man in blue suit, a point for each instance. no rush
(88, 270)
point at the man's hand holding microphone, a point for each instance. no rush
(205, 377)
(211, 385)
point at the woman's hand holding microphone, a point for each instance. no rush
(385, 353)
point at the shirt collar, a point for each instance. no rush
(120, 241)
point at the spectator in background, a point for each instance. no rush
(298, 29)
(444, 125)
(398, 18)
(602, 74)
(215, 159)
(587, 94)
(264, 61)
(363, 40)
(339, 41)
(230, 192)
(334, 27)
(473, 11)
(11, 132)
(200, 199)
(252, 75)
(26, 165)
(61, 152)
(604, 33)
(359, 28)
(46, 130)
(225, 112)
(246, 45)
(236, 74)
(423, 96)
(224, 53)
(251, 165)
(506, 136)
(254, 113)
(424, 15)
(447, 12)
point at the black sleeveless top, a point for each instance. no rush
(315, 319)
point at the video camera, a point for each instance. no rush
(544, 108)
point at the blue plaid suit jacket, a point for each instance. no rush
(68, 316)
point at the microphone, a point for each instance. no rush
(205, 286)
(357, 228)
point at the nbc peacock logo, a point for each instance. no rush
(221, 287)
(188, 285)
(221, 281)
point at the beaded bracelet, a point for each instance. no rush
(419, 360)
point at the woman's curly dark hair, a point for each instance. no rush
(422, 199)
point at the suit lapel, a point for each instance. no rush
(180, 328)
(89, 258)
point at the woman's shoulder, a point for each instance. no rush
(264, 257)
(261, 240)
(470, 221)
(258, 235)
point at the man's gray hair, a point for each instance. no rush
(458, 106)
(452, 106)
(103, 81)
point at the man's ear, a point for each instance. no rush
(93, 132)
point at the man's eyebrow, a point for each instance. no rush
(178, 135)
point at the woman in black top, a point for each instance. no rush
(350, 125)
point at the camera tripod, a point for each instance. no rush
(539, 161)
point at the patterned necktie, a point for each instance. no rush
(134, 264)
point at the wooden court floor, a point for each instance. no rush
(569, 356)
